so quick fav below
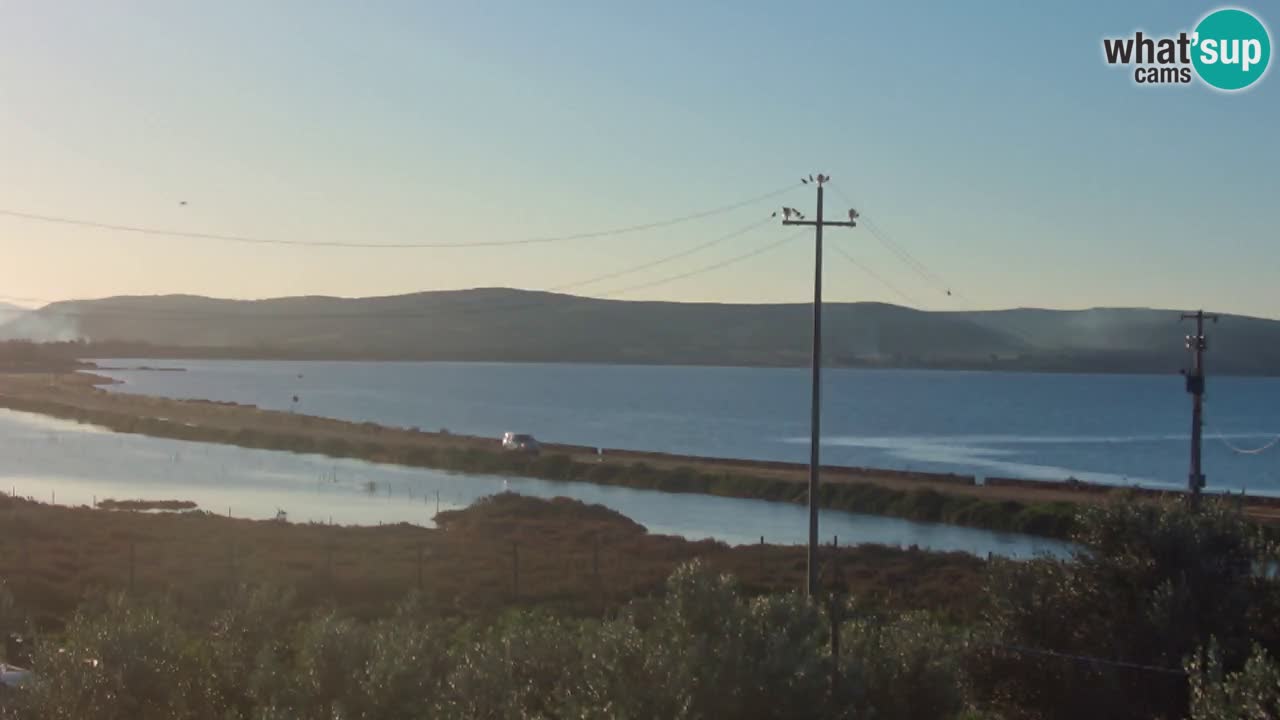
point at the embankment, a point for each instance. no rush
(1045, 509)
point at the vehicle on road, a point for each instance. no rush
(520, 442)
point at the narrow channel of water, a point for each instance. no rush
(73, 464)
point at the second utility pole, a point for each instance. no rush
(1197, 344)
(815, 418)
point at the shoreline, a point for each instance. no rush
(197, 354)
(574, 558)
(1007, 505)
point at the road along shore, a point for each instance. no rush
(1034, 507)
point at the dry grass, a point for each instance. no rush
(571, 557)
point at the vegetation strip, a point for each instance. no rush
(1049, 519)
(112, 504)
(512, 610)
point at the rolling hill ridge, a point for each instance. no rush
(497, 324)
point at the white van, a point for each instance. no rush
(519, 442)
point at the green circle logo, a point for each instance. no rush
(1232, 49)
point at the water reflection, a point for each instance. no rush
(75, 464)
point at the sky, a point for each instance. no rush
(988, 139)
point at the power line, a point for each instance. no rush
(706, 269)
(1244, 451)
(906, 257)
(558, 288)
(1089, 659)
(1248, 451)
(663, 260)
(901, 251)
(465, 306)
(144, 230)
(1092, 660)
(877, 276)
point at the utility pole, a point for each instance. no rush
(1195, 385)
(791, 216)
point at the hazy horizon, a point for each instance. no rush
(28, 307)
(1018, 170)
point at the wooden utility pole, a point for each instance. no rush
(1197, 344)
(790, 216)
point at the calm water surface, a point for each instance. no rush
(75, 464)
(1104, 428)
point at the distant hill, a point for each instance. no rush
(20, 323)
(516, 325)
(9, 313)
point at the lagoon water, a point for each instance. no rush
(74, 464)
(1123, 429)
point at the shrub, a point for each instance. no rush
(908, 668)
(1152, 583)
(554, 467)
(129, 662)
(1251, 692)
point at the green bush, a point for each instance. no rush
(128, 662)
(11, 621)
(513, 669)
(703, 650)
(1152, 583)
(909, 668)
(1251, 692)
(604, 473)
(555, 467)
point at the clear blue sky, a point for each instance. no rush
(988, 138)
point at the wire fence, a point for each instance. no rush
(198, 562)
(475, 574)
(196, 559)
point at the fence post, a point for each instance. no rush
(133, 561)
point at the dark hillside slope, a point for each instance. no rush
(515, 325)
